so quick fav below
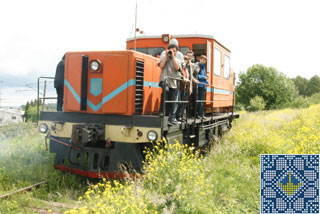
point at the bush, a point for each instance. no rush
(256, 104)
(315, 99)
(300, 102)
(239, 107)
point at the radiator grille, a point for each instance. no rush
(139, 87)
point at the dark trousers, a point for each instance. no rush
(171, 108)
(194, 97)
(201, 96)
(181, 106)
(60, 98)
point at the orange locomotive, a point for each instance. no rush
(112, 101)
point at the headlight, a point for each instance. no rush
(165, 38)
(152, 135)
(95, 65)
(43, 128)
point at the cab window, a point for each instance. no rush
(199, 49)
(150, 51)
(184, 49)
(217, 62)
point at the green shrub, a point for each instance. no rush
(239, 107)
(256, 104)
(300, 102)
(315, 99)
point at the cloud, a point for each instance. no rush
(35, 34)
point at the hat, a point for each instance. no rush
(174, 42)
(203, 56)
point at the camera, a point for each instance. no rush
(170, 53)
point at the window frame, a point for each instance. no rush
(147, 50)
(184, 47)
(214, 62)
(224, 65)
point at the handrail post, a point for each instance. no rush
(38, 89)
(164, 91)
(38, 95)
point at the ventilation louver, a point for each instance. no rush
(139, 87)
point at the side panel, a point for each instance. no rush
(152, 91)
(72, 83)
(223, 87)
(156, 90)
(116, 84)
(147, 89)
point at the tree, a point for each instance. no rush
(313, 85)
(301, 84)
(30, 113)
(274, 87)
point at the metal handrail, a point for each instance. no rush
(183, 102)
(38, 94)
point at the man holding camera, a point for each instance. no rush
(170, 63)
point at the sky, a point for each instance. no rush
(34, 34)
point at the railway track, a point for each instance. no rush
(28, 188)
(47, 206)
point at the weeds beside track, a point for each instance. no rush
(24, 161)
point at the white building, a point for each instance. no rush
(10, 115)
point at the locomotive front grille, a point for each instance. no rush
(139, 87)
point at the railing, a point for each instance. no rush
(44, 96)
(185, 107)
(205, 101)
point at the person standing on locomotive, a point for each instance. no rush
(170, 63)
(202, 77)
(193, 69)
(59, 83)
(184, 89)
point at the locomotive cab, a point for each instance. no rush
(220, 91)
(112, 101)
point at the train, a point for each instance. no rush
(112, 100)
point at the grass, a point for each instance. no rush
(178, 180)
(25, 161)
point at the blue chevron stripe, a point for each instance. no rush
(73, 92)
(118, 90)
(220, 91)
(106, 98)
(151, 84)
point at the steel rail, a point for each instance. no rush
(23, 189)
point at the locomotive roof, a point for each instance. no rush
(174, 36)
(179, 36)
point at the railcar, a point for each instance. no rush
(112, 101)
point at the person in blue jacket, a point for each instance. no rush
(202, 77)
